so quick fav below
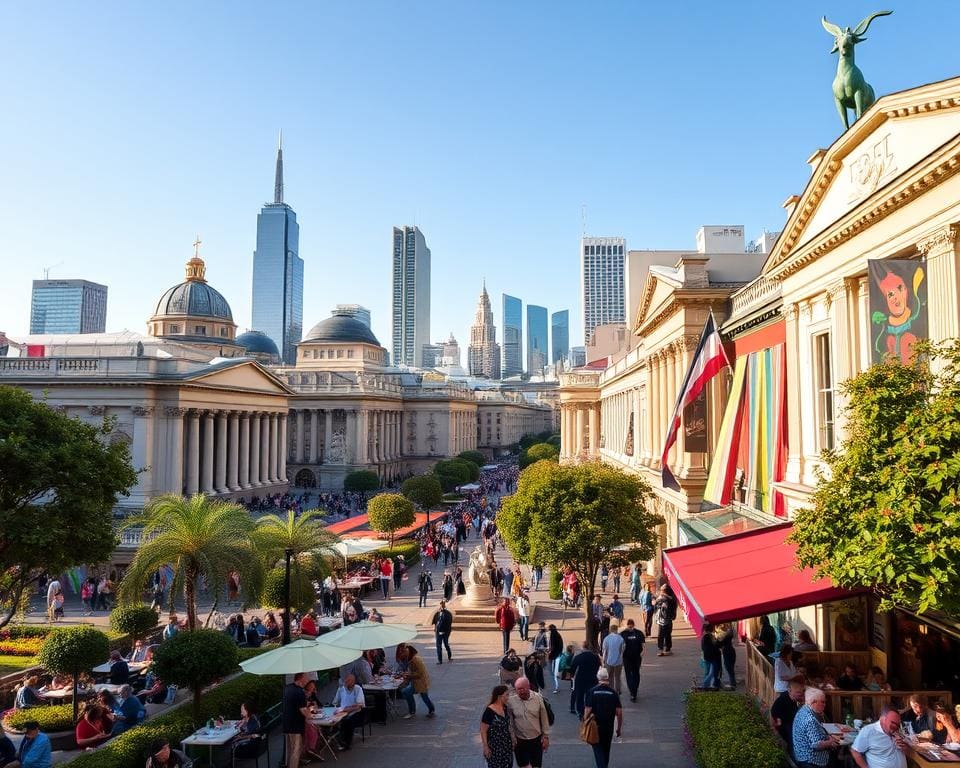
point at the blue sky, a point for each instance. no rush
(129, 128)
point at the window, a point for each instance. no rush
(223, 332)
(200, 330)
(823, 371)
(174, 328)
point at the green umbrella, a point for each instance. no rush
(299, 656)
(365, 635)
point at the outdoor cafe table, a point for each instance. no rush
(381, 686)
(111, 687)
(134, 667)
(357, 582)
(327, 717)
(211, 737)
(927, 753)
(60, 695)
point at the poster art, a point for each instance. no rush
(898, 308)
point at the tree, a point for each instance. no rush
(59, 481)
(388, 512)
(424, 491)
(538, 452)
(303, 595)
(73, 651)
(194, 660)
(200, 537)
(474, 457)
(886, 510)
(454, 472)
(135, 620)
(579, 517)
(361, 481)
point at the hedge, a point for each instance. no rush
(728, 731)
(52, 719)
(555, 590)
(409, 548)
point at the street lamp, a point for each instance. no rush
(288, 553)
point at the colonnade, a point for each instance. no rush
(369, 436)
(623, 427)
(463, 431)
(580, 429)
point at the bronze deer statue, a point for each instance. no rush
(850, 89)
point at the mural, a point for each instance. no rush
(898, 308)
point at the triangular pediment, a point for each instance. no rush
(245, 375)
(894, 140)
(658, 289)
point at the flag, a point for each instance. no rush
(709, 359)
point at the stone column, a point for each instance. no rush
(943, 282)
(314, 455)
(256, 422)
(837, 305)
(355, 431)
(301, 441)
(264, 447)
(243, 478)
(653, 405)
(639, 444)
(284, 450)
(274, 447)
(680, 371)
(594, 430)
(206, 472)
(220, 468)
(233, 450)
(327, 434)
(193, 453)
(174, 449)
(578, 432)
(671, 391)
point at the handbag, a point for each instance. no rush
(589, 730)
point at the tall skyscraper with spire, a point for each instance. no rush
(483, 355)
(278, 271)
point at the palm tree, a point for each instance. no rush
(308, 539)
(200, 537)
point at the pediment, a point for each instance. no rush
(895, 138)
(658, 292)
(247, 375)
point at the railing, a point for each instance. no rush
(759, 677)
(756, 292)
(815, 662)
(863, 704)
(580, 379)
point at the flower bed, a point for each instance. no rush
(23, 646)
(728, 731)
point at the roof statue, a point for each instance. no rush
(850, 89)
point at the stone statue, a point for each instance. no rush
(479, 564)
(338, 448)
(850, 90)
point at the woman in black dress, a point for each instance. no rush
(495, 730)
(461, 589)
(447, 586)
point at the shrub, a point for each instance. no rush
(303, 595)
(555, 590)
(51, 719)
(473, 456)
(407, 547)
(423, 490)
(729, 732)
(538, 452)
(361, 481)
(72, 650)
(134, 620)
(194, 660)
(388, 512)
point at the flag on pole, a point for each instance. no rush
(709, 359)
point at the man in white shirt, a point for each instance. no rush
(612, 655)
(880, 745)
(351, 700)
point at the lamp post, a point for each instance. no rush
(288, 553)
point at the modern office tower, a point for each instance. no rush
(451, 352)
(578, 356)
(537, 349)
(560, 334)
(278, 272)
(483, 355)
(602, 281)
(411, 296)
(431, 356)
(353, 310)
(68, 306)
(512, 336)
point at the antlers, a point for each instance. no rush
(862, 26)
(833, 29)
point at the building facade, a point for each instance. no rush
(411, 296)
(538, 344)
(602, 282)
(560, 336)
(483, 354)
(278, 272)
(68, 306)
(512, 336)
(355, 311)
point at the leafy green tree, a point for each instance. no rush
(538, 452)
(886, 510)
(474, 457)
(361, 481)
(424, 491)
(59, 481)
(194, 660)
(579, 517)
(199, 537)
(135, 620)
(72, 651)
(303, 594)
(388, 512)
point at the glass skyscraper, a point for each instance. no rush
(278, 272)
(512, 337)
(602, 281)
(537, 349)
(68, 306)
(560, 333)
(411, 296)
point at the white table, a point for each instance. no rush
(328, 717)
(61, 694)
(216, 737)
(133, 666)
(111, 687)
(386, 685)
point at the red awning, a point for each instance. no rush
(744, 575)
(348, 524)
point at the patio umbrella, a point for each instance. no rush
(365, 635)
(299, 656)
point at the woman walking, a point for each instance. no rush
(495, 730)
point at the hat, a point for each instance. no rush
(602, 675)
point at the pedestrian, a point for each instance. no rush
(399, 570)
(666, 610)
(728, 654)
(386, 576)
(541, 641)
(604, 704)
(53, 589)
(523, 615)
(710, 653)
(442, 625)
(447, 586)
(616, 580)
(612, 656)
(537, 577)
(615, 609)
(533, 671)
(647, 600)
(554, 652)
(633, 640)
(584, 668)
(294, 717)
(505, 620)
(495, 730)
(604, 576)
(417, 682)
(635, 583)
(424, 585)
(530, 725)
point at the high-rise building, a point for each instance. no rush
(512, 336)
(602, 281)
(578, 356)
(431, 356)
(353, 310)
(483, 355)
(411, 296)
(68, 306)
(451, 352)
(278, 272)
(560, 334)
(537, 348)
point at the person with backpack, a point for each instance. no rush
(442, 625)
(665, 608)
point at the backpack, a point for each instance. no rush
(546, 706)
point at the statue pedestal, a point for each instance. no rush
(475, 610)
(478, 596)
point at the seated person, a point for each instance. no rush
(308, 626)
(254, 639)
(138, 653)
(129, 712)
(945, 730)
(918, 715)
(849, 680)
(877, 681)
(311, 734)
(91, 727)
(155, 691)
(349, 698)
(248, 732)
(162, 756)
(784, 709)
(271, 627)
(119, 671)
(829, 679)
(59, 683)
(805, 642)
(7, 751)
(313, 697)
(108, 703)
(28, 694)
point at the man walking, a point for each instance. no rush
(665, 607)
(424, 585)
(554, 652)
(529, 723)
(604, 703)
(442, 625)
(633, 640)
(584, 668)
(646, 604)
(613, 646)
(505, 620)
(294, 718)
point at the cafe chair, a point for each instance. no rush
(252, 749)
(366, 722)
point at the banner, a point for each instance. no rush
(898, 308)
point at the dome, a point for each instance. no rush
(194, 297)
(257, 343)
(341, 329)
